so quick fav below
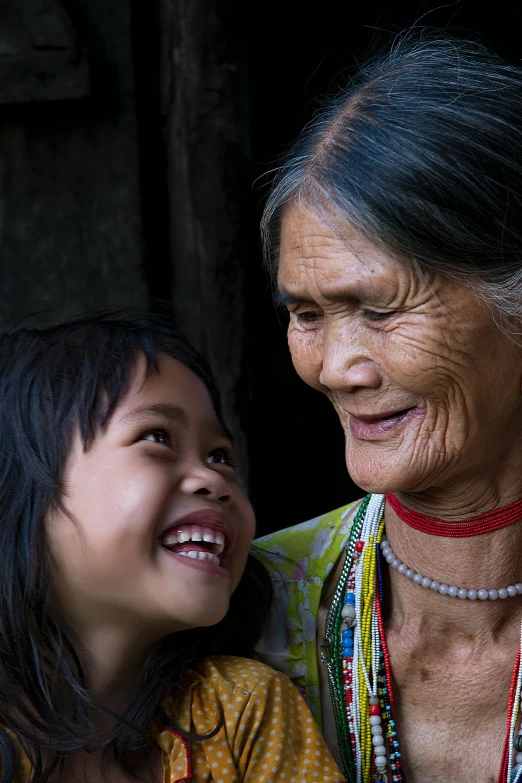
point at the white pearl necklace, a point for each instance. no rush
(454, 592)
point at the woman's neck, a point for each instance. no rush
(490, 560)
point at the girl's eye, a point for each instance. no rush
(161, 436)
(225, 455)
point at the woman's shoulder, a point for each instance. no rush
(308, 542)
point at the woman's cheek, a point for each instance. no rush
(305, 349)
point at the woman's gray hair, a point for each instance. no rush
(422, 153)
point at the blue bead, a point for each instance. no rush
(347, 634)
(348, 652)
(349, 598)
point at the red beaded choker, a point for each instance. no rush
(475, 526)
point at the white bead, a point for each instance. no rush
(493, 595)
(376, 729)
(409, 573)
(385, 544)
(375, 720)
(462, 593)
(483, 594)
(472, 594)
(453, 591)
(519, 587)
(380, 761)
(390, 557)
(518, 758)
(402, 568)
(373, 700)
(396, 563)
(435, 585)
(443, 589)
(512, 590)
(348, 612)
(426, 582)
(417, 578)
(502, 593)
(378, 740)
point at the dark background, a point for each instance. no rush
(135, 141)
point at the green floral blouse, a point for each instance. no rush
(299, 560)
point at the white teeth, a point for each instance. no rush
(201, 556)
(181, 537)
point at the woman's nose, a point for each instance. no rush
(201, 480)
(347, 363)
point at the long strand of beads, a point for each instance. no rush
(339, 663)
(515, 771)
(366, 641)
(504, 771)
(387, 694)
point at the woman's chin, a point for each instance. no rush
(382, 475)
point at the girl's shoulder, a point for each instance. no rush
(225, 675)
(259, 725)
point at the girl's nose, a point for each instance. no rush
(201, 480)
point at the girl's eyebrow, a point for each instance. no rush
(175, 413)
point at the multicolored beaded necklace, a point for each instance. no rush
(359, 673)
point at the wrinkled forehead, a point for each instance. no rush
(323, 247)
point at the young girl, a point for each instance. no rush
(124, 536)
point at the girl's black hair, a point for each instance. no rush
(54, 381)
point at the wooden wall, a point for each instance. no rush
(70, 224)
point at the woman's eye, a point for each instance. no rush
(157, 436)
(376, 315)
(223, 456)
(308, 317)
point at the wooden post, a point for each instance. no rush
(202, 96)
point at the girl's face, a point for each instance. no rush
(155, 529)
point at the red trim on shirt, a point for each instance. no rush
(186, 748)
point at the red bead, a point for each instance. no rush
(359, 546)
(375, 709)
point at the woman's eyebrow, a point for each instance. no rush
(174, 413)
(283, 298)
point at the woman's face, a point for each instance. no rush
(156, 528)
(427, 387)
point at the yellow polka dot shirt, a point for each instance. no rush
(268, 733)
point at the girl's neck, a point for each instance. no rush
(112, 661)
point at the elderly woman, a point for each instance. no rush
(395, 231)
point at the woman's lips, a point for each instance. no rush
(378, 426)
